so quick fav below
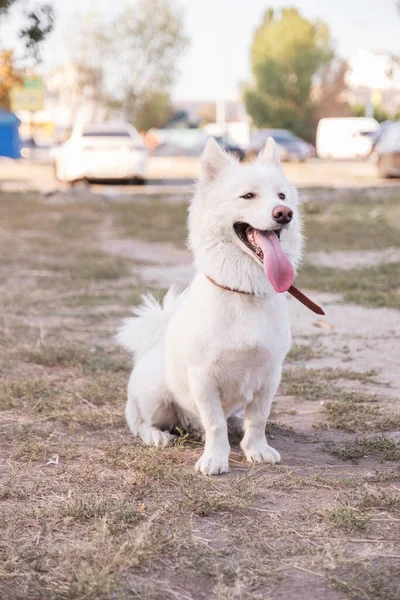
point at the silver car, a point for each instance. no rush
(388, 151)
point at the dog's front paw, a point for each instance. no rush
(211, 464)
(259, 453)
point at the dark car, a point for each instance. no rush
(292, 148)
(387, 150)
(191, 142)
(230, 146)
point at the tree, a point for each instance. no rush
(287, 52)
(130, 64)
(330, 91)
(143, 45)
(154, 112)
(10, 76)
(39, 23)
(357, 110)
(380, 113)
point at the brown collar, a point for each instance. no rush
(292, 290)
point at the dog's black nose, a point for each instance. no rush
(282, 215)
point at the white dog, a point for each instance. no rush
(217, 348)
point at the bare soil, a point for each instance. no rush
(87, 512)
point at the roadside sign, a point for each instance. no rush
(28, 96)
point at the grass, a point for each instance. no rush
(375, 286)
(304, 352)
(153, 221)
(348, 518)
(89, 359)
(355, 223)
(382, 448)
(87, 512)
(319, 384)
(355, 417)
(374, 579)
(356, 513)
(348, 410)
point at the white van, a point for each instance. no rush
(345, 137)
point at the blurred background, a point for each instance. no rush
(105, 108)
(131, 92)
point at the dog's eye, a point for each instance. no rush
(282, 196)
(248, 196)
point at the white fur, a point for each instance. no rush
(208, 353)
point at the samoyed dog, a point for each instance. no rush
(215, 350)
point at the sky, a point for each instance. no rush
(220, 33)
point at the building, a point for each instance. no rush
(374, 80)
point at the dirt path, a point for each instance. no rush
(88, 512)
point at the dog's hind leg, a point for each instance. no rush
(149, 411)
(149, 429)
(132, 413)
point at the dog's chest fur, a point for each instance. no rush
(236, 339)
(252, 352)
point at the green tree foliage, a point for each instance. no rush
(38, 23)
(330, 98)
(154, 112)
(144, 43)
(380, 113)
(134, 58)
(9, 77)
(288, 50)
(358, 110)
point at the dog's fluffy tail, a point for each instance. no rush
(141, 333)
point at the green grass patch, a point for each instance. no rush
(354, 224)
(318, 384)
(348, 410)
(75, 354)
(376, 286)
(379, 447)
(305, 352)
(152, 220)
(348, 518)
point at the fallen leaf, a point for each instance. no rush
(322, 324)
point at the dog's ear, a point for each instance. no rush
(270, 154)
(213, 161)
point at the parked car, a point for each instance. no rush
(229, 146)
(108, 151)
(177, 152)
(378, 134)
(38, 153)
(345, 137)
(388, 151)
(291, 147)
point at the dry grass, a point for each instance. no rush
(358, 222)
(349, 410)
(383, 448)
(301, 353)
(152, 220)
(87, 512)
(375, 286)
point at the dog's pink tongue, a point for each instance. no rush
(277, 266)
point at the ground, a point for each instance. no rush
(87, 512)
